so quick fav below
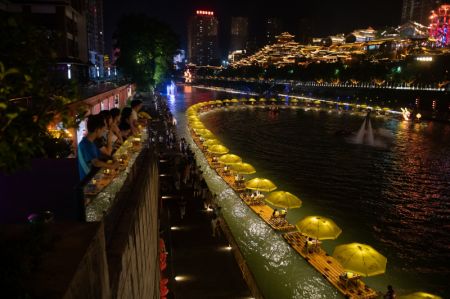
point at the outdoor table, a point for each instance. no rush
(101, 190)
(314, 245)
(350, 277)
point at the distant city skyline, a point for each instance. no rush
(326, 17)
(313, 18)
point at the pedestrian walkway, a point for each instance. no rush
(198, 264)
(204, 265)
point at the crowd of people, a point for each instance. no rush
(106, 131)
(187, 174)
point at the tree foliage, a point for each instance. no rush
(147, 47)
(31, 94)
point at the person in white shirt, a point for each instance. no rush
(136, 106)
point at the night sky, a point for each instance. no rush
(327, 17)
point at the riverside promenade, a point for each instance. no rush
(198, 264)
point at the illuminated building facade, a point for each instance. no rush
(239, 33)
(66, 19)
(440, 25)
(418, 10)
(95, 40)
(203, 39)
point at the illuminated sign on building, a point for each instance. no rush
(424, 58)
(205, 12)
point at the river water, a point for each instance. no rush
(395, 198)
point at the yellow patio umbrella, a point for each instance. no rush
(204, 132)
(200, 131)
(262, 99)
(211, 102)
(243, 100)
(260, 184)
(386, 108)
(419, 295)
(208, 135)
(193, 118)
(361, 259)
(252, 100)
(197, 125)
(234, 101)
(226, 101)
(318, 227)
(218, 149)
(317, 102)
(211, 142)
(283, 199)
(363, 106)
(243, 168)
(230, 159)
(273, 100)
(218, 102)
(294, 101)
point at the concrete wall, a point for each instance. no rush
(133, 252)
(115, 258)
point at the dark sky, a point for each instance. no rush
(328, 17)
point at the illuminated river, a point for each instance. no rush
(396, 199)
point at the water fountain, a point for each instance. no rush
(365, 133)
(374, 137)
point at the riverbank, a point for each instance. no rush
(433, 105)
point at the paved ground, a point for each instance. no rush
(198, 265)
(205, 265)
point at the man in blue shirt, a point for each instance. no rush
(88, 153)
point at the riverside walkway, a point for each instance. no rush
(198, 264)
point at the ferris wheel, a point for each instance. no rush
(440, 25)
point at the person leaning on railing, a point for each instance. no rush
(125, 123)
(105, 142)
(136, 105)
(88, 153)
(115, 116)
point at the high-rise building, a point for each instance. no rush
(418, 10)
(203, 39)
(239, 33)
(95, 40)
(66, 19)
(273, 28)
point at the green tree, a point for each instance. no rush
(147, 47)
(31, 94)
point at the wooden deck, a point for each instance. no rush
(329, 268)
(265, 213)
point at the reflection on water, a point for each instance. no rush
(395, 199)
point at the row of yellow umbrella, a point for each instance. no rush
(369, 262)
(358, 258)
